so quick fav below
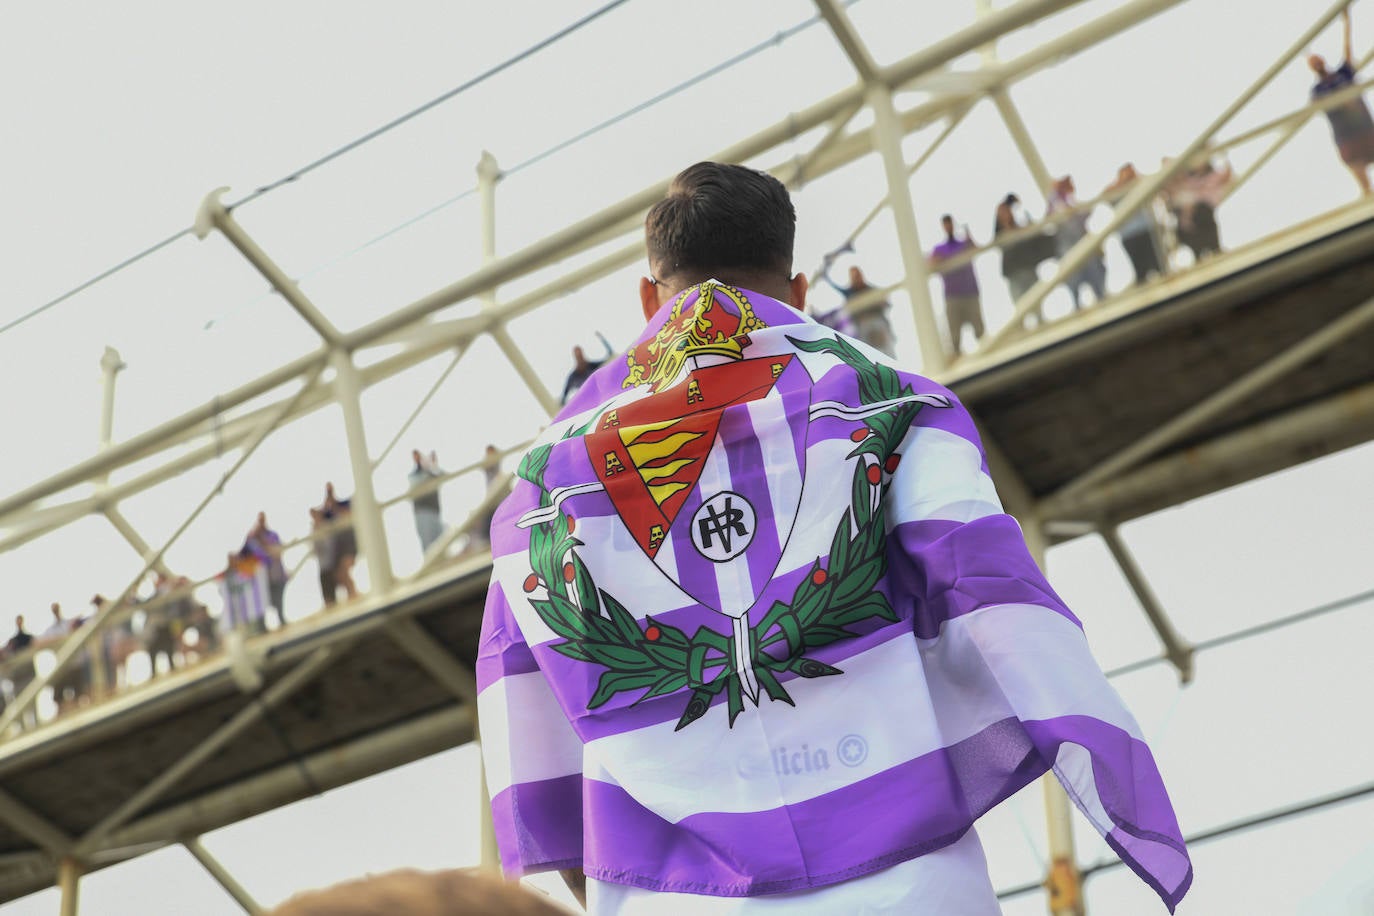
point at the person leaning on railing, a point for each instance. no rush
(1352, 127)
(1021, 257)
(1137, 233)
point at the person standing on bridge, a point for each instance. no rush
(963, 306)
(1351, 125)
(759, 637)
(583, 368)
(265, 545)
(1093, 273)
(429, 519)
(865, 310)
(19, 661)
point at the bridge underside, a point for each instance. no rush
(1165, 399)
(363, 706)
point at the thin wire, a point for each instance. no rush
(329, 157)
(1354, 793)
(775, 41)
(438, 100)
(110, 272)
(1256, 630)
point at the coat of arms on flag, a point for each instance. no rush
(706, 471)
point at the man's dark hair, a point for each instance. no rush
(720, 219)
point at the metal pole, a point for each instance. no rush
(1176, 649)
(367, 516)
(889, 139)
(1011, 116)
(110, 366)
(1064, 882)
(525, 370)
(848, 39)
(68, 883)
(222, 875)
(488, 174)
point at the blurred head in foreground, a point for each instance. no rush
(409, 892)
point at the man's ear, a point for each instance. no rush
(648, 297)
(798, 286)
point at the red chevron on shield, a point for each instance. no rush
(649, 454)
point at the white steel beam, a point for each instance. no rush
(573, 238)
(1224, 399)
(213, 215)
(33, 825)
(800, 168)
(917, 277)
(222, 875)
(848, 38)
(1064, 883)
(110, 366)
(365, 513)
(524, 369)
(69, 886)
(955, 119)
(1020, 135)
(134, 539)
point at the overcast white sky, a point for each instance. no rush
(120, 118)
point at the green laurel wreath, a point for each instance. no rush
(656, 659)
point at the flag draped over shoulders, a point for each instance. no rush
(758, 624)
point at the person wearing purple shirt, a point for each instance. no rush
(1351, 125)
(962, 304)
(265, 544)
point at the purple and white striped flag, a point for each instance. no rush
(759, 625)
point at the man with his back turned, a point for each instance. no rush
(759, 636)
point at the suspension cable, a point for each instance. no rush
(1258, 629)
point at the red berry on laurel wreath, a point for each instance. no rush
(875, 474)
(531, 583)
(652, 634)
(818, 576)
(891, 464)
(568, 572)
(860, 434)
(572, 524)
